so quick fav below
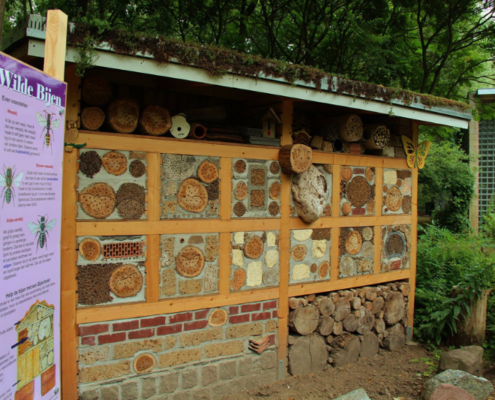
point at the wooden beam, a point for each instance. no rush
(55, 44)
(68, 299)
(414, 241)
(284, 247)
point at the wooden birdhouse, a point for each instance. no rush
(270, 119)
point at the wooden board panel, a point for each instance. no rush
(68, 299)
(136, 310)
(347, 283)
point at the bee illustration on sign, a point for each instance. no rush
(9, 180)
(40, 230)
(49, 124)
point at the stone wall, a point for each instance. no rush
(339, 328)
(187, 357)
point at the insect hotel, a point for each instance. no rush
(223, 231)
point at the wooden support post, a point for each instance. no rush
(378, 213)
(68, 299)
(225, 215)
(55, 44)
(335, 232)
(153, 241)
(414, 241)
(284, 246)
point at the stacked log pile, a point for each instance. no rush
(339, 328)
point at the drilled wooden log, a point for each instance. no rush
(92, 118)
(155, 120)
(375, 136)
(295, 158)
(304, 320)
(123, 115)
(350, 127)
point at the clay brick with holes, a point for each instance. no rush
(123, 250)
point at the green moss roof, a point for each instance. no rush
(219, 61)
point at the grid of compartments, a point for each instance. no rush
(357, 191)
(189, 264)
(111, 270)
(112, 185)
(397, 191)
(310, 255)
(256, 188)
(190, 186)
(487, 166)
(395, 250)
(255, 260)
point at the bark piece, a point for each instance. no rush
(369, 345)
(394, 308)
(326, 325)
(310, 193)
(342, 310)
(295, 158)
(304, 320)
(308, 355)
(347, 348)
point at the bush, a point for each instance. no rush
(452, 271)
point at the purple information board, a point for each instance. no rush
(32, 117)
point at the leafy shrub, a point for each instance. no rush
(452, 271)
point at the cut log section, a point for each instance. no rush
(98, 200)
(347, 348)
(350, 128)
(304, 320)
(123, 115)
(218, 317)
(353, 243)
(155, 121)
(295, 158)
(325, 325)
(323, 270)
(325, 305)
(240, 191)
(96, 91)
(115, 163)
(366, 323)
(393, 199)
(190, 261)
(144, 363)
(351, 323)
(308, 355)
(92, 118)
(394, 308)
(342, 310)
(369, 346)
(239, 279)
(395, 338)
(375, 136)
(299, 252)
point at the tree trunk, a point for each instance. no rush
(472, 330)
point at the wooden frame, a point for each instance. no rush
(153, 227)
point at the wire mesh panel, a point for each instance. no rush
(487, 165)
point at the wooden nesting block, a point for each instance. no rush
(190, 261)
(207, 172)
(90, 249)
(240, 191)
(155, 120)
(98, 200)
(123, 115)
(354, 242)
(393, 199)
(115, 163)
(96, 91)
(192, 196)
(254, 247)
(350, 127)
(299, 252)
(358, 191)
(375, 136)
(295, 158)
(92, 118)
(217, 318)
(144, 363)
(239, 279)
(126, 281)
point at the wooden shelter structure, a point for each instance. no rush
(185, 259)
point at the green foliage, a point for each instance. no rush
(448, 180)
(452, 271)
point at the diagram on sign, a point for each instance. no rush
(8, 181)
(49, 124)
(35, 350)
(40, 230)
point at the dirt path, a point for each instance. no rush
(398, 375)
